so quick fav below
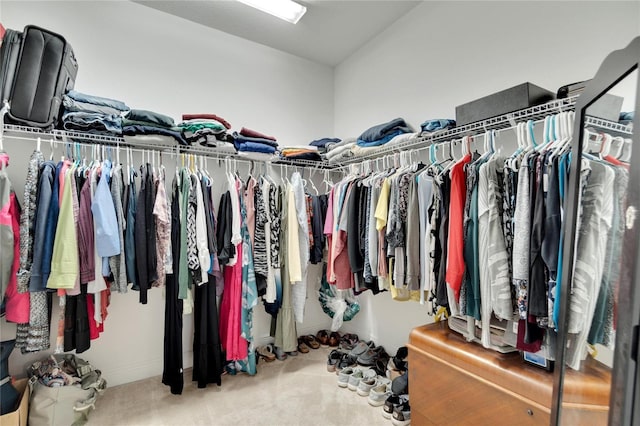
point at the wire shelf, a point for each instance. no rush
(501, 122)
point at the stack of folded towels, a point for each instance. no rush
(208, 130)
(309, 153)
(251, 142)
(140, 125)
(92, 114)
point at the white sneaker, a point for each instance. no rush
(344, 376)
(367, 384)
(358, 375)
(379, 394)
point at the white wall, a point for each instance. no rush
(443, 54)
(440, 55)
(155, 61)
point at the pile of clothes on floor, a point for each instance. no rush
(209, 130)
(139, 125)
(92, 114)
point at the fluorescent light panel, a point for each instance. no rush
(287, 10)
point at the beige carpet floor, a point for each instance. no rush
(296, 391)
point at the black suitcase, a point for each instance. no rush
(9, 53)
(45, 70)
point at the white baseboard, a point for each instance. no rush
(141, 370)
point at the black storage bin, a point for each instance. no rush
(518, 97)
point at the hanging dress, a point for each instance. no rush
(172, 375)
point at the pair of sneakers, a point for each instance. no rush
(350, 377)
(369, 383)
(397, 409)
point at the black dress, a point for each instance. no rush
(207, 352)
(172, 373)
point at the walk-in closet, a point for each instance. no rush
(289, 212)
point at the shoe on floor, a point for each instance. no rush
(391, 403)
(369, 357)
(348, 341)
(346, 360)
(360, 348)
(333, 358)
(378, 395)
(358, 375)
(343, 377)
(401, 415)
(323, 337)
(292, 353)
(334, 339)
(400, 385)
(368, 383)
(266, 353)
(280, 354)
(311, 341)
(302, 346)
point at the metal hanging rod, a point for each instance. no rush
(31, 133)
(501, 122)
(505, 121)
(63, 137)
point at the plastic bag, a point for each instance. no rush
(341, 305)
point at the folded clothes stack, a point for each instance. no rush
(140, 125)
(251, 142)
(437, 124)
(340, 151)
(383, 133)
(309, 153)
(208, 130)
(324, 144)
(362, 151)
(92, 114)
(626, 118)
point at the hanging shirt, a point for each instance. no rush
(45, 187)
(201, 235)
(455, 258)
(117, 262)
(162, 215)
(425, 194)
(522, 238)
(104, 216)
(64, 261)
(27, 220)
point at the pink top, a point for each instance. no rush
(17, 306)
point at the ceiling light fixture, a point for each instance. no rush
(287, 10)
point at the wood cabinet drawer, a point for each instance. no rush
(443, 394)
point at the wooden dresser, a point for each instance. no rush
(454, 382)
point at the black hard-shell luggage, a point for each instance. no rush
(46, 70)
(9, 53)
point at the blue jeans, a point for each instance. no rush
(92, 122)
(97, 100)
(71, 105)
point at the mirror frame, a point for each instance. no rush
(617, 65)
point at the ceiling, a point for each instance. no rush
(328, 33)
